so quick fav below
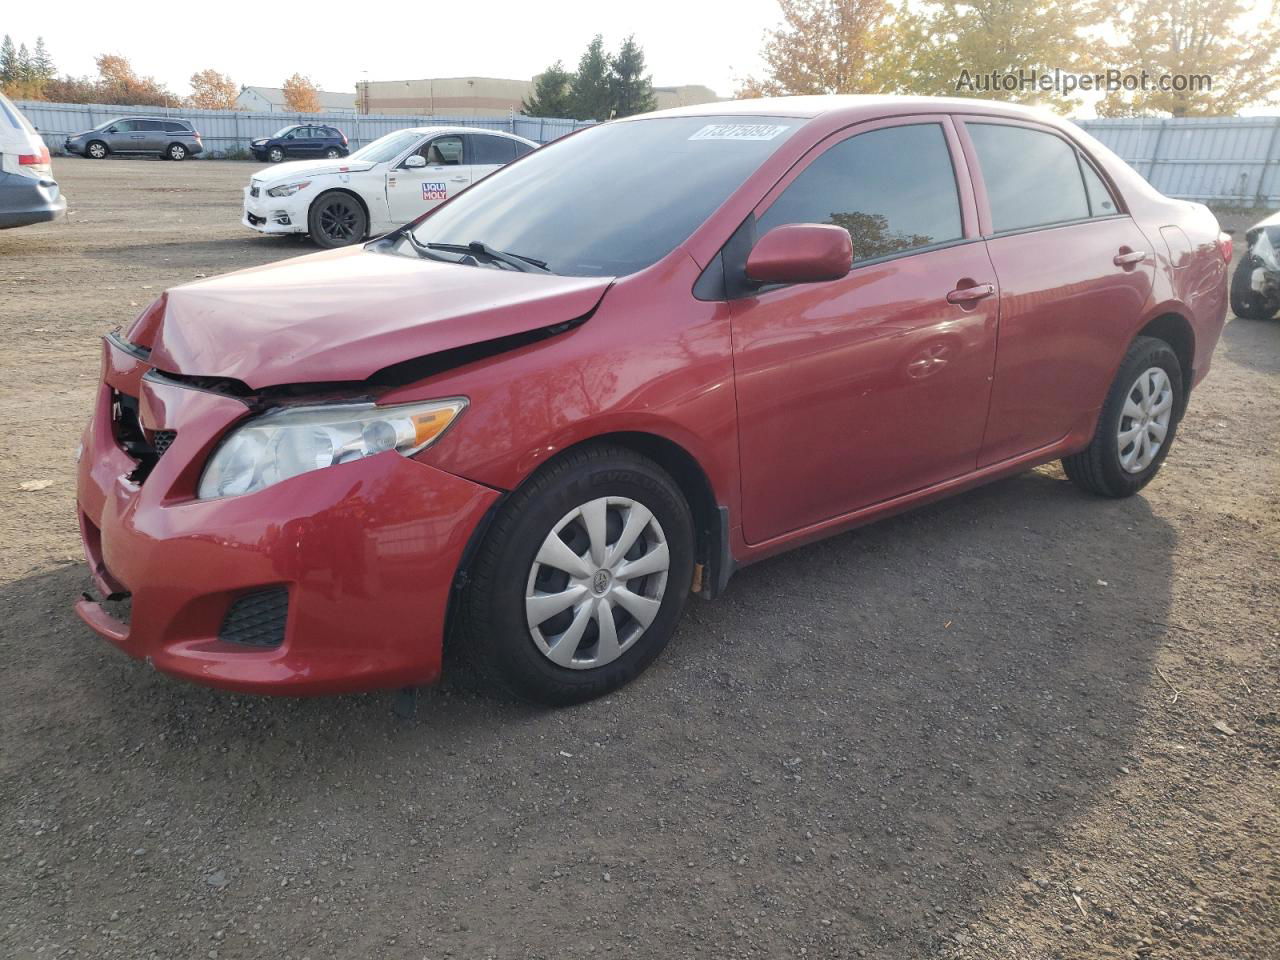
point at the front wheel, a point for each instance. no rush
(581, 578)
(96, 150)
(337, 220)
(1246, 302)
(176, 151)
(275, 154)
(1137, 424)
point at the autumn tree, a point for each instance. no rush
(301, 95)
(589, 95)
(211, 90)
(550, 95)
(952, 47)
(119, 84)
(630, 89)
(1195, 38)
(822, 46)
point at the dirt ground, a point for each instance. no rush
(1023, 723)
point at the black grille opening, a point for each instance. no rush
(257, 619)
(161, 439)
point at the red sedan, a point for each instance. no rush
(605, 377)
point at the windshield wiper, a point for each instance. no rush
(523, 264)
(420, 248)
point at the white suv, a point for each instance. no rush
(28, 192)
(381, 186)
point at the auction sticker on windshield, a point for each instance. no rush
(738, 131)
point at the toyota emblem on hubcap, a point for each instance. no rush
(600, 582)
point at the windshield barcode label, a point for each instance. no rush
(738, 131)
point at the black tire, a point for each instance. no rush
(275, 154)
(333, 153)
(496, 633)
(337, 219)
(176, 151)
(1097, 468)
(96, 150)
(1247, 303)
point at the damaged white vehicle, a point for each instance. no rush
(1255, 286)
(381, 186)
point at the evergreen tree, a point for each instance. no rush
(42, 66)
(589, 94)
(22, 68)
(8, 62)
(550, 96)
(631, 91)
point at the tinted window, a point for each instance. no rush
(1101, 203)
(149, 125)
(1032, 177)
(614, 198)
(492, 149)
(124, 126)
(175, 127)
(522, 148)
(892, 189)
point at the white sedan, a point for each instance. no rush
(381, 186)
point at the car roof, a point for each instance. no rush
(849, 106)
(497, 133)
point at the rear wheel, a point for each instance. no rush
(1137, 424)
(96, 150)
(275, 154)
(176, 151)
(332, 153)
(1246, 302)
(581, 578)
(337, 220)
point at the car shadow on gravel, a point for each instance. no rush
(850, 751)
(1254, 343)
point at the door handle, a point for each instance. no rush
(978, 291)
(1127, 258)
(457, 179)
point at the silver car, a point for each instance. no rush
(158, 136)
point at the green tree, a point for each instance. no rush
(589, 94)
(1196, 38)
(550, 96)
(630, 89)
(42, 64)
(8, 62)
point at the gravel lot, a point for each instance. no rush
(1020, 723)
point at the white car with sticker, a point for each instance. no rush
(381, 186)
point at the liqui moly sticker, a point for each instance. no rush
(738, 131)
(434, 191)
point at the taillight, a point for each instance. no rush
(344, 139)
(1224, 246)
(40, 159)
(196, 133)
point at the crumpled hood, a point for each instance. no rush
(311, 168)
(345, 314)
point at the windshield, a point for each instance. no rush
(613, 199)
(385, 148)
(282, 131)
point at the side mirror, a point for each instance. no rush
(112, 130)
(415, 161)
(801, 253)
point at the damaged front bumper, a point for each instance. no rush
(333, 581)
(267, 214)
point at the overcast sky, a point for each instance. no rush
(259, 44)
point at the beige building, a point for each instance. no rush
(481, 96)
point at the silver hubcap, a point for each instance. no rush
(1144, 421)
(597, 582)
(96, 150)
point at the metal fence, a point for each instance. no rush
(1233, 161)
(229, 131)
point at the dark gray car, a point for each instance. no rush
(158, 136)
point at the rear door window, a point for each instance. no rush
(1101, 203)
(1032, 177)
(492, 150)
(893, 189)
